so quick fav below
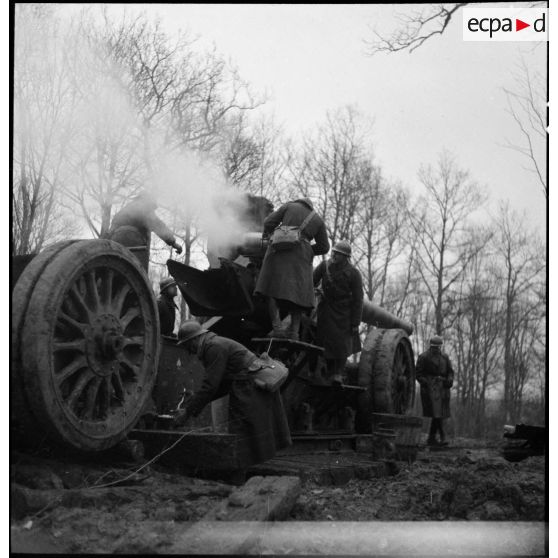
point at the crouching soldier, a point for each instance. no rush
(434, 373)
(254, 414)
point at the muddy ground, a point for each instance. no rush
(123, 506)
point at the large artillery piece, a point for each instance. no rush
(381, 381)
(88, 361)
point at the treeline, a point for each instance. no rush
(99, 104)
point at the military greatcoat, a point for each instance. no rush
(132, 227)
(339, 309)
(434, 373)
(167, 314)
(255, 414)
(287, 275)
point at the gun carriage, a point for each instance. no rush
(88, 361)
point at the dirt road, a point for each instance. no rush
(81, 507)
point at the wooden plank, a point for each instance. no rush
(260, 499)
(207, 450)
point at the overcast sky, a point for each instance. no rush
(446, 94)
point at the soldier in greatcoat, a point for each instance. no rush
(339, 309)
(166, 305)
(434, 373)
(286, 276)
(254, 414)
(133, 224)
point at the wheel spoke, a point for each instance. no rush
(77, 345)
(118, 301)
(130, 365)
(107, 288)
(66, 319)
(130, 315)
(116, 381)
(92, 290)
(91, 399)
(77, 390)
(135, 340)
(70, 369)
(78, 299)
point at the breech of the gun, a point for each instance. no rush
(253, 244)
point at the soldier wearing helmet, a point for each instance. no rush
(254, 414)
(133, 224)
(166, 306)
(434, 373)
(339, 309)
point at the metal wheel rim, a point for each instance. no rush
(400, 380)
(73, 337)
(99, 337)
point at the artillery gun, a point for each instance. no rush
(88, 360)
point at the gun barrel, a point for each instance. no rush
(373, 314)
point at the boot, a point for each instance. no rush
(278, 329)
(293, 331)
(337, 379)
(431, 441)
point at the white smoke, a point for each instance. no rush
(97, 138)
(197, 188)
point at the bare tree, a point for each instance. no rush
(331, 170)
(522, 274)
(381, 219)
(527, 106)
(424, 23)
(476, 336)
(419, 26)
(254, 156)
(441, 223)
(141, 97)
(41, 131)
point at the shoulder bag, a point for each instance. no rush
(269, 374)
(285, 237)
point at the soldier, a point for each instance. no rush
(165, 304)
(435, 376)
(286, 275)
(339, 309)
(254, 414)
(133, 224)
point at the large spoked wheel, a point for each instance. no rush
(89, 344)
(22, 420)
(387, 369)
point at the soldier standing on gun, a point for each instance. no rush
(435, 375)
(133, 224)
(286, 275)
(339, 309)
(166, 306)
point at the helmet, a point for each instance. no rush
(166, 283)
(343, 247)
(436, 341)
(188, 330)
